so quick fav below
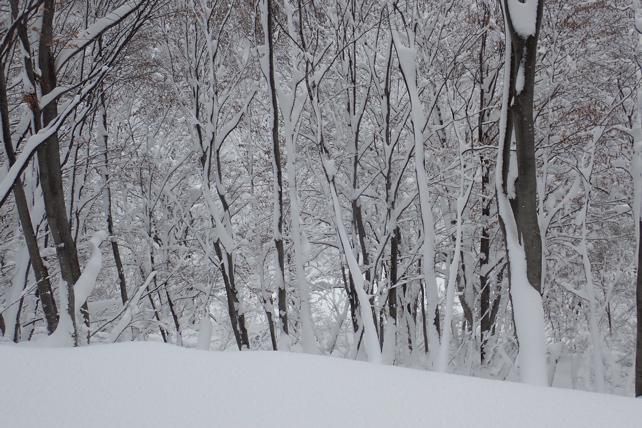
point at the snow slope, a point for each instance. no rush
(154, 385)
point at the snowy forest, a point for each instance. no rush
(448, 186)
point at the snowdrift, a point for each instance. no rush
(153, 385)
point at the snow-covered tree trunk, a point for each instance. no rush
(519, 218)
(267, 66)
(314, 74)
(22, 205)
(465, 190)
(597, 355)
(49, 164)
(408, 64)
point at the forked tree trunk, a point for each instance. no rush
(518, 212)
(22, 205)
(50, 168)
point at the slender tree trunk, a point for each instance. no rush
(277, 174)
(108, 209)
(638, 300)
(637, 181)
(486, 90)
(237, 318)
(418, 117)
(348, 284)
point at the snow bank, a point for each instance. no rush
(154, 385)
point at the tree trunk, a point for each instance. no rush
(518, 212)
(638, 347)
(39, 268)
(277, 173)
(523, 60)
(110, 219)
(50, 169)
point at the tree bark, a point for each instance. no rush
(523, 60)
(277, 173)
(22, 205)
(638, 299)
(49, 166)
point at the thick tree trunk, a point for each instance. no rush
(518, 212)
(523, 60)
(50, 169)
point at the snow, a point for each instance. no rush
(17, 291)
(156, 385)
(523, 16)
(63, 335)
(130, 310)
(205, 333)
(88, 35)
(32, 144)
(87, 281)
(529, 318)
(519, 81)
(369, 330)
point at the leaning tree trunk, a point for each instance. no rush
(39, 268)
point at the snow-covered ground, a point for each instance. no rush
(153, 385)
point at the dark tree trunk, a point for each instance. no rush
(237, 318)
(484, 256)
(50, 169)
(486, 192)
(282, 299)
(110, 219)
(225, 258)
(638, 347)
(172, 309)
(353, 300)
(394, 262)
(22, 205)
(524, 56)
(462, 286)
(424, 324)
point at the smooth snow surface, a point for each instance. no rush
(153, 385)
